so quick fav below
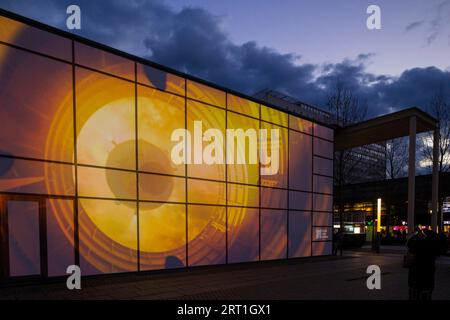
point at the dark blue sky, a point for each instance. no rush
(299, 47)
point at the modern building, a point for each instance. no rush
(88, 176)
(361, 199)
(117, 164)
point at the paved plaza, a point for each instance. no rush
(312, 278)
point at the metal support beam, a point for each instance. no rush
(411, 173)
(435, 183)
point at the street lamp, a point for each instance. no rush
(378, 225)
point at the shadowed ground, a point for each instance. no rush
(311, 278)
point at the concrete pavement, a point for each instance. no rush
(311, 278)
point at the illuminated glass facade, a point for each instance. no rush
(86, 175)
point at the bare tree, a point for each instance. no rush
(396, 158)
(440, 109)
(347, 110)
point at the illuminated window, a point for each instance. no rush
(201, 118)
(321, 248)
(299, 200)
(160, 79)
(277, 153)
(323, 202)
(323, 184)
(35, 124)
(323, 132)
(323, 166)
(159, 115)
(323, 148)
(162, 235)
(300, 124)
(273, 234)
(273, 198)
(34, 39)
(26, 176)
(274, 116)
(299, 234)
(322, 218)
(105, 121)
(206, 235)
(205, 94)
(106, 183)
(60, 233)
(243, 106)
(153, 187)
(300, 161)
(207, 192)
(243, 195)
(246, 137)
(108, 236)
(243, 234)
(103, 61)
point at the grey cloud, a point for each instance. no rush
(414, 25)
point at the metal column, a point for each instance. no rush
(411, 173)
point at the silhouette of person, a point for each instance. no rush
(424, 247)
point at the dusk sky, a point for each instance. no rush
(298, 47)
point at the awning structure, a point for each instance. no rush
(407, 122)
(387, 127)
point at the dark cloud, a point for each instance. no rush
(438, 24)
(414, 25)
(191, 40)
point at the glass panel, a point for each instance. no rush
(323, 202)
(160, 79)
(35, 124)
(24, 245)
(273, 198)
(206, 235)
(103, 61)
(300, 124)
(207, 192)
(323, 184)
(105, 183)
(60, 232)
(159, 114)
(108, 236)
(201, 118)
(321, 248)
(274, 116)
(323, 148)
(31, 38)
(299, 234)
(300, 161)
(243, 235)
(245, 158)
(274, 174)
(162, 236)
(26, 176)
(322, 219)
(243, 195)
(323, 166)
(273, 234)
(105, 121)
(153, 187)
(321, 234)
(323, 132)
(299, 200)
(206, 94)
(243, 106)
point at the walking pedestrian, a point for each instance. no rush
(424, 248)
